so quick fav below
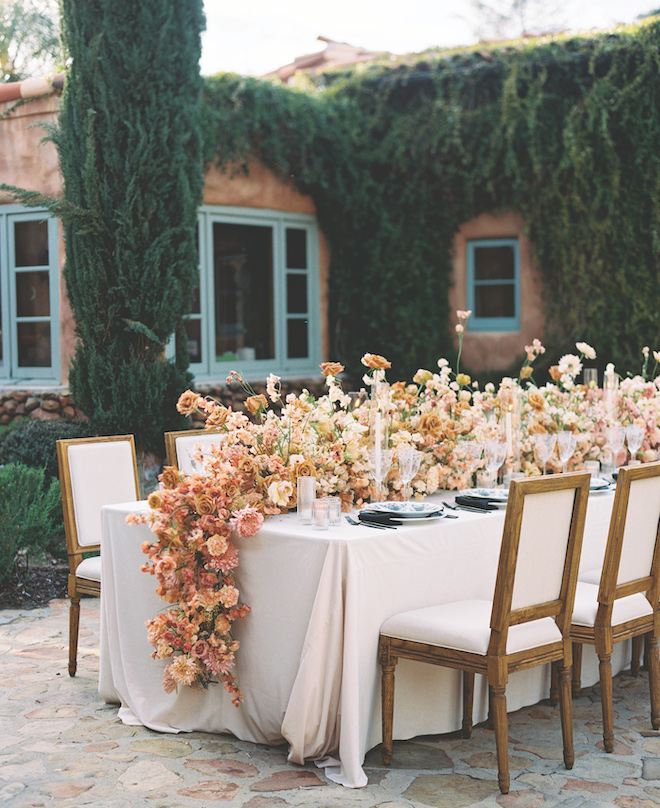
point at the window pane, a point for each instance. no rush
(243, 276)
(196, 306)
(496, 300)
(297, 339)
(296, 248)
(194, 334)
(31, 244)
(32, 294)
(33, 345)
(494, 263)
(296, 294)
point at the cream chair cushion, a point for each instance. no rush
(465, 626)
(90, 568)
(624, 609)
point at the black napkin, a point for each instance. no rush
(474, 502)
(378, 518)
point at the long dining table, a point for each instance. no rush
(308, 660)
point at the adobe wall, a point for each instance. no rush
(495, 350)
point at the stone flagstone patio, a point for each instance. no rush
(60, 745)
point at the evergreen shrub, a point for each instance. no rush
(33, 443)
(31, 519)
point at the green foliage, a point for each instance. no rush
(129, 145)
(397, 156)
(30, 516)
(33, 443)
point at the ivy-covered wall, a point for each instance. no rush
(397, 156)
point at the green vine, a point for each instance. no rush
(397, 156)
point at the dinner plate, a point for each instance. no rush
(406, 510)
(598, 484)
(497, 495)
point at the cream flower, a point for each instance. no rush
(569, 365)
(585, 349)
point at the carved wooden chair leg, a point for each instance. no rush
(490, 723)
(605, 671)
(554, 684)
(468, 702)
(566, 711)
(653, 662)
(501, 737)
(387, 691)
(74, 622)
(636, 654)
(577, 669)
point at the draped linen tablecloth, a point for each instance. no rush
(308, 662)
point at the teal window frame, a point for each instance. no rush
(11, 371)
(209, 369)
(475, 322)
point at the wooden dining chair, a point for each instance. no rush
(179, 446)
(620, 601)
(93, 472)
(525, 624)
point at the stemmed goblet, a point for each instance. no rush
(495, 455)
(473, 451)
(566, 443)
(545, 443)
(409, 463)
(615, 437)
(634, 438)
(381, 460)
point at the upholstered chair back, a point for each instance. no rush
(101, 471)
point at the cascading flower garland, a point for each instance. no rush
(251, 472)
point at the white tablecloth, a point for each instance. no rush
(308, 662)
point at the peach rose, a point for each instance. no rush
(375, 362)
(188, 402)
(204, 504)
(255, 404)
(331, 368)
(555, 373)
(536, 401)
(170, 477)
(216, 545)
(248, 466)
(216, 418)
(431, 424)
(304, 468)
(154, 501)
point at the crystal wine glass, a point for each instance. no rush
(615, 437)
(381, 460)
(566, 443)
(634, 438)
(409, 463)
(495, 455)
(473, 452)
(545, 443)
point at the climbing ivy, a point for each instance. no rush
(397, 155)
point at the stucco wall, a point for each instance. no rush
(495, 350)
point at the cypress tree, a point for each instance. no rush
(129, 145)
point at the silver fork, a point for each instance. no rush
(352, 521)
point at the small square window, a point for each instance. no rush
(493, 284)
